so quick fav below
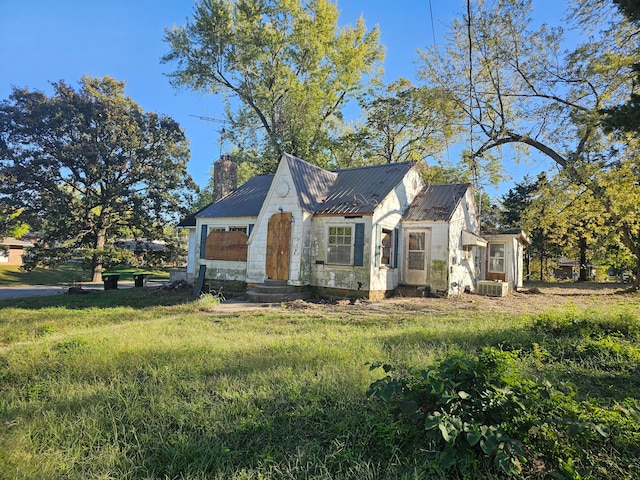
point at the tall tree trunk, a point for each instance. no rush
(96, 260)
(541, 266)
(583, 260)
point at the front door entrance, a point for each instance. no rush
(278, 241)
(417, 245)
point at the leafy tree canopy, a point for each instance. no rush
(285, 67)
(89, 165)
(518, 87)
(401, 123)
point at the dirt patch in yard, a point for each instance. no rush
(533, 299)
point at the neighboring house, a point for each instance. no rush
(569, 269)
(146, 252)
(12, 250)
(354, 232)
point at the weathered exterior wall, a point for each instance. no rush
(191, 252)
(281, 197)
(439, 256)
(388, 215)
(463, 264)
(346, 277)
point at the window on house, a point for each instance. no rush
(238, 229)
(339, 246)
(496, 257)
(386, 248)
(217, 229)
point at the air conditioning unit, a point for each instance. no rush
(493, 289)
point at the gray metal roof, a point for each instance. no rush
(360, 190)
(311, 182)
(353, 191)
(436, 202)
(245, 201)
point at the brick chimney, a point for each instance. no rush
(225, 177)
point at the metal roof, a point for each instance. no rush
(436, 202)
(311, 182)
(360, 190)
(245, 201)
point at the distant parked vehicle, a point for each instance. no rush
(627, 278)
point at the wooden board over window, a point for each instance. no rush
(226, 246)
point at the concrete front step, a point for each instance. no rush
(275, 291)
(256, 297)
(275, 283)
(264, 288)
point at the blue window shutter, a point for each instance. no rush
(358, 246)
(396, 242)
(203, 240)
(378, 245)
(250, 229)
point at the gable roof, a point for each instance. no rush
(436, 202)
(349, 191)
(245, 201)
(341, 192)
(312, 182)
(360, 190)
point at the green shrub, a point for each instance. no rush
(470, 407)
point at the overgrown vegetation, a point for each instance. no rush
(138, 383)
(551, 409)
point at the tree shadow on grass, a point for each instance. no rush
(214, 420)
(129, 297)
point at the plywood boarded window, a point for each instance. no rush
(223, 245)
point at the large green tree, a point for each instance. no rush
(285, 67)
(89, 165)
(11, 225)
(518, 88)
(401, 122)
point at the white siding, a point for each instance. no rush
(463, 267)
(388, 215)
(191, 252)
(282, 197)
(447, 263)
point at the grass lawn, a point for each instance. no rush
(140, 384)
(67, 274)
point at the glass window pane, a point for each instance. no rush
(416, 261)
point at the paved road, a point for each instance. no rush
(36, 290)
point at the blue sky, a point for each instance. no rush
(44, 41)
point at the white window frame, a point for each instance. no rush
(490, 257)
(333, 261)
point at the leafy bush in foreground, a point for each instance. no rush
(479, 408)
(470, 407)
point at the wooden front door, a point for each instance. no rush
(278, 241)
(417, 246)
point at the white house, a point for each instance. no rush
(353, 232)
